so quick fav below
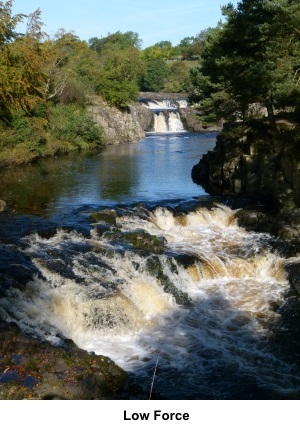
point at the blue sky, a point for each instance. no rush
(153, 20)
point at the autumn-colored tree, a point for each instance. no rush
(21, 60)
(71, 68)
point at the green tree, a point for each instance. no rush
(163, 49)
(191, 47)
(119, 75)
(178, 79)
(246, 60)
(72, 68)
(115, 41)
(156, 75)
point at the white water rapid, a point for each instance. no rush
(204, 308)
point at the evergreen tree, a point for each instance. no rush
(249, 59)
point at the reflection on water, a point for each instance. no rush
(156, 168)
(162, 275)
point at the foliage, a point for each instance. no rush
(164, 50)
(8, 23)
(72, 124)
(119, 76)
(71, 69)
(22, 78)
(251, 58)
(115, 41)
(155, 76)
(191, 47)
(178, 79)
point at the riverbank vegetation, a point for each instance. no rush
(248, 66)
(48, 83)
(249, 76)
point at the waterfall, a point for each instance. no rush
(166, 114)
(167, 121)
(175, 123)
(160, 122)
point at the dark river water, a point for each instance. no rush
(155, 169)
(120, 251)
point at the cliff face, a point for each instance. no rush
(248, 160)
(121, 126)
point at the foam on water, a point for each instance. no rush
(105, 296)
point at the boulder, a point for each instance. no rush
(2, 205)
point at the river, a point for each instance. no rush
(120, 251)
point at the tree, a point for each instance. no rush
(22, 77)
(163, 49)
(72, 68)
(8, 23)
(248, 60)
(155, 76)
(115, 41)
(119, 75)
(191, 47)
(178, 79)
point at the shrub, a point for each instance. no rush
(70, 123)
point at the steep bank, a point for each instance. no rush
(121, 126)
(250, 161)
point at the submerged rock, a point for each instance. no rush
(155, 268)
(107, 216)
(143, 241)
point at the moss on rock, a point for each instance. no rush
(30, 368)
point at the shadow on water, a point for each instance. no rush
(229, 362)
(152, 169)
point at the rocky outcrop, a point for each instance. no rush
(121, 126)
(191, 121)
(248, 160)
(2, 205)
(35, 369)
(284, 223)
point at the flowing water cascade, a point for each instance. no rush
(188, 289)
(166, 115)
